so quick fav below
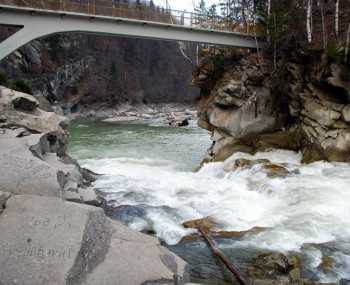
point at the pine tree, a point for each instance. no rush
(201, 8)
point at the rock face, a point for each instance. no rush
(303, 105)
(86, 72)
(45, 238)
(33, 154)
(77, 244)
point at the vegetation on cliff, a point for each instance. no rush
(294, 93)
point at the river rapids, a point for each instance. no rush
(153, 166)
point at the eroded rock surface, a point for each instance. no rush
(44, 239)
(77, 244)
(33, 154)
(303, 106)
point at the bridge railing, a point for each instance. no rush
(144, 11)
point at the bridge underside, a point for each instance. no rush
(39, 23)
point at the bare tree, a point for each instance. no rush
(347, 44)
(324, 34)
(337, 17)
(309, 20)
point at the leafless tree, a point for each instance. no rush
(347, 44)
(337, 17)
(309, 20)
(324, 33)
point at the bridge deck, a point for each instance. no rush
(38, 23)
(145, 11)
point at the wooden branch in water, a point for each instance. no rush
(223, 258)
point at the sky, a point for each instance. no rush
(182, 4)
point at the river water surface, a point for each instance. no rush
(153, 166)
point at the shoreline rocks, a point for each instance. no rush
(175, 115)
(77, 244)
(33, 146)
(51, 231)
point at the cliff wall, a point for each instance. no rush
(302, 105)
(78, 70)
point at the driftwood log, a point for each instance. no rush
(217, 252)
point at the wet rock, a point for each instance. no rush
(272, 170)
(203, 265)
(207, 226)
(326, 264)
(126, 213)
(258, 268)
(137, 214)
(227, 149)
(179, 122)
(77, 244)
(270, 264)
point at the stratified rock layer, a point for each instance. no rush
(301, 106)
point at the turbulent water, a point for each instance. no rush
(152, 166)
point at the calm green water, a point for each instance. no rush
(97, 140)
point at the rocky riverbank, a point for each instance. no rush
(170, 114)
(48, 232)
(303, 105)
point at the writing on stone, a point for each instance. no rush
(49, 253)
(40, 252)
(44, 222)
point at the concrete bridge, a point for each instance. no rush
(40, 21)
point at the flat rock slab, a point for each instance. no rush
(45, 240)
(135, 259)
(23, 173)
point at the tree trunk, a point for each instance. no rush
(337, 17)
(182, 48)
(275, 43)
(324, 34)
(347, 45)
(268, 20)
(309, 21)
(216, 251)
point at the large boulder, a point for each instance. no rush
(21, 109)
(33, 156)
(24, 173)
(249, 106)
(45, 240)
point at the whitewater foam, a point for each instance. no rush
(309, 206)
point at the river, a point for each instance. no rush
(153, 166)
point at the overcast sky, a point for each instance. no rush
(183, 4)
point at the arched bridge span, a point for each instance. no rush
(36, 23)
